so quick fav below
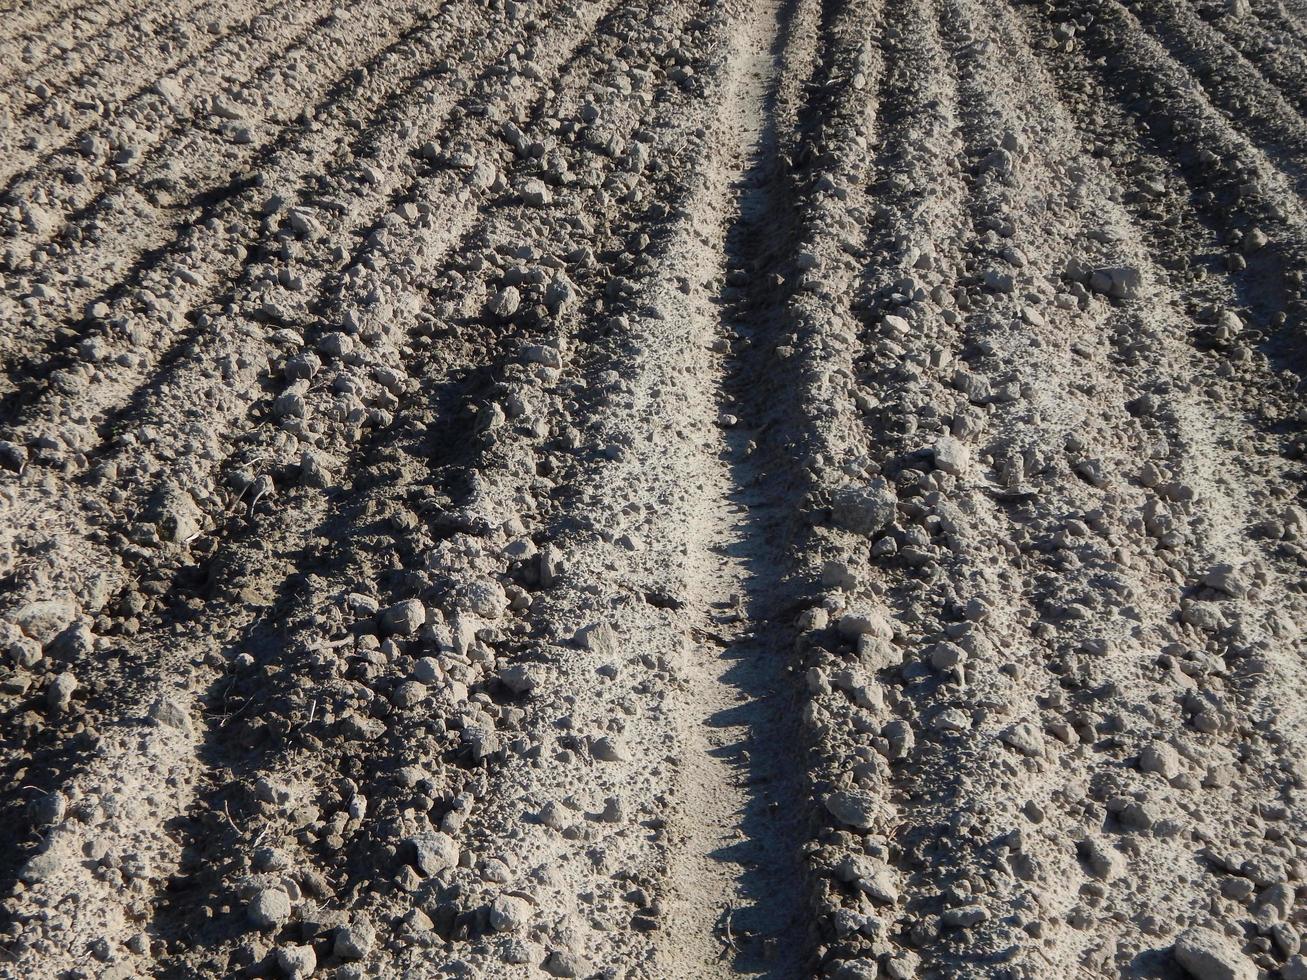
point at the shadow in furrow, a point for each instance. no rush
(772, 936)
(262, 716)
(60, 352)
(13, 191)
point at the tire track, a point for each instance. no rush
(733, 882)
(807, 436)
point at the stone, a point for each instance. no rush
(1118, 282)
(485, 598)
(426, 670)
(269, 908)
(535, 192)
(1025, 738)
(509, 913)
(1160, 758)
(608, 749)
(297, 962)
(41, 866)
(951, 456)
(403, 618)
(169, 714)
(864, 510)
(60, 692)
(1208, 955)
(855, 808)
(434, 852)
(355, 940)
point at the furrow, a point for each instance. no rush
(1283, 64)
(204, 160)
(1260, 218)
(37, 177)
(137, 62)
(198, 640)
(1252, 105)
(463, 458)
(661, 489)
(19, 27)
(66, 49)
(196, 270)
(72, 77)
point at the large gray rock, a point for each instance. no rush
(855, 808)
(864, 510)
(1208, 955)
(269, 908)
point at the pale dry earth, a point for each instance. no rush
(653, 489)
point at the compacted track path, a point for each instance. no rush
(616, 488)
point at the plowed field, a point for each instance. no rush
(632, 489)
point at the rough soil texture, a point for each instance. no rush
(653, 489)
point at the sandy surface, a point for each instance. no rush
(663, 490)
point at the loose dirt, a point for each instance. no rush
(777, 488)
